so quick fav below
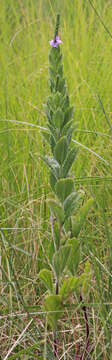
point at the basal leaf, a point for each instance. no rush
(46, 276)
(60, 260)
(64, 187)
(54, 307)
(69, 286)
(57, 210)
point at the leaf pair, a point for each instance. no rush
(66, 256)
(62, 161)
(54, 304)
(63, 212)
(60, 260)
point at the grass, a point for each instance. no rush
(25, 31)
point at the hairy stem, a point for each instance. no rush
(55, 337)
(85, 351)
(57, 285)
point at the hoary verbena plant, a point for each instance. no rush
(66, 223)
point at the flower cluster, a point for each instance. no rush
(55, 42)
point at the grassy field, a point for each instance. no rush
(26, 27)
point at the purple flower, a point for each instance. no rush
(55, 42)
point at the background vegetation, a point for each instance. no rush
(26, 27)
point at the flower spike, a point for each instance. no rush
(56, 41)
(57, 26)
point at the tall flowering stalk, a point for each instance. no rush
(64, 249)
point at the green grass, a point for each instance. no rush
(25, 31)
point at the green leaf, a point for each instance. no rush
(50, 139)
(65, 104)
(67, 127)
(54, 102)
(69, 286)
(74, 258)
(71, 156)
(52, 72)
(85, 279)
(57, 100)
(60, 150)
(49, 106)
(60, 260)
(53, 165)
(60, 70)
(46, 276)
(64, 187)
(48, 111)
(79, 219)
(69, 114)
(51, 84)
(71, 202)
(58, 118)
(53, 305)
(52, 143)
(57, 210)
(55, 56)
(53, 181)
(54, 135)
(61, 86)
